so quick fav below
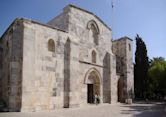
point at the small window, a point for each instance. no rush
(129, 47)
(51, 45)
(93, 56)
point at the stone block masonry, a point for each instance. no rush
(64, 63)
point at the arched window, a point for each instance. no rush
(51, 45)
(93, 56)
(129, 47)
(92, 26)
(94, 34)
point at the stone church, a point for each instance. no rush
(64, 63)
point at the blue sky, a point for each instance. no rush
(145, 17)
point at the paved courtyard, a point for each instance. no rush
(104, 110)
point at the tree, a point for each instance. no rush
(141, 69)
(157, 74)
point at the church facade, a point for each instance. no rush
(64, 63)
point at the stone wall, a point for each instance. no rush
(12, 64)
(114, 80)
(36, 78)
(123, 51)
(130, 68)
(80, 62)
(43, 70)
(82, 47)
(78, 27)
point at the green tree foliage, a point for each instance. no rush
(141, 69)
(157, 74)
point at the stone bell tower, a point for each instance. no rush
(122, 49)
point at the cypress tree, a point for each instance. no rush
(141, 69)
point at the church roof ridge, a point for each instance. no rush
(74, 6)
(32, 21)
(43, 24)
(124, 37)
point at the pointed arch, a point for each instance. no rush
(93, 82)
(93, 27)
(92, 70)
(94, 24)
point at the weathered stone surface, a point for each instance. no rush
(81, 61)
(122, 49)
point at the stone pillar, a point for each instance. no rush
(28, 68)
(106, 79)
(67, 59)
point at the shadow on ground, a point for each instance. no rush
(146, 109)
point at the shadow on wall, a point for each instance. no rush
(106, 79)
(145, 110)
(67, 51)
(120, 90)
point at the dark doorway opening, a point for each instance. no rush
(90, 93)
(120, 90)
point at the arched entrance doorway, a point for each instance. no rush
(93, 85)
